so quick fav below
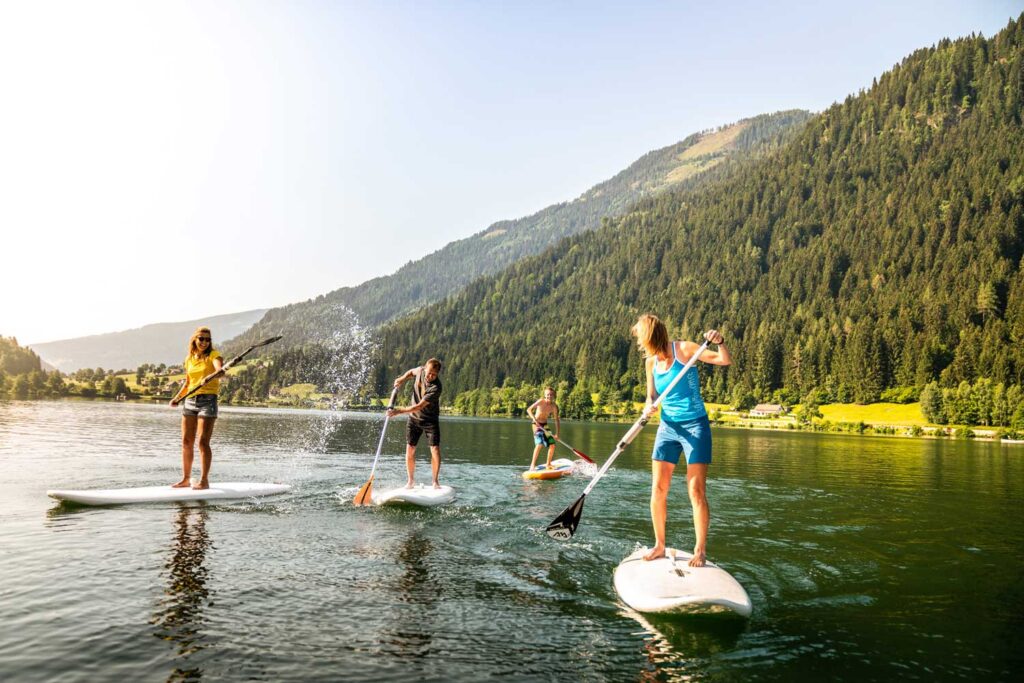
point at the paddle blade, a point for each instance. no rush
(581, 455)
(269, 340)
(565, 524)
(363, 496)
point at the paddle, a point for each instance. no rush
(564, 525)
(363, 495)
(579, 454)
(224, 368)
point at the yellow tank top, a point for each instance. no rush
(198, 368)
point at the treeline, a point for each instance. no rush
(512, 400)
(451, 268)
(983, 402)
(878, 251)
(22, 376)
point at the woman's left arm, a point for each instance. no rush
(720, 356)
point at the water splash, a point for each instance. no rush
(339, 365)
(584, 468)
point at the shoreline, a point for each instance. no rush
(929, 432)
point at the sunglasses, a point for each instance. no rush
(203, 338)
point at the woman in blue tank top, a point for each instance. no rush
(684, 428)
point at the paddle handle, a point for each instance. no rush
(642, 422)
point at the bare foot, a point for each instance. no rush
(657, 552)
(201, 485)
(410, 485)
(437, 485)
(183, 484)
(698, 558)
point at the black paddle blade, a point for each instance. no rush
(565, 524)
(270, 340)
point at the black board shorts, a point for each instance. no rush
(414, 429)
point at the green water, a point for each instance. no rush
(865, 558)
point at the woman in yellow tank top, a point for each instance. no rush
(199, 411)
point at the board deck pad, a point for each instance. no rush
(668, 586)
(559, 468)
(426, 496)
(160, 494)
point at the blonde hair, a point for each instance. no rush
(651, 335)
(433, 363)
(193, 348)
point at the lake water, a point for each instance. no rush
(865, 558)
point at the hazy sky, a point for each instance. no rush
(163, 161)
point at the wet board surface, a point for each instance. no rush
(668, 586)
(559, 468)
(158, 494)
(426, 496)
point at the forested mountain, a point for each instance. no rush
(157, 343)
(881, 247)
(447, 270)
(16, 359)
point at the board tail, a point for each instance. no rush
(564, 526)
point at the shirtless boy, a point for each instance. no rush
(539, 413)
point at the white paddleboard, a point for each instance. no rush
(160, 494)
(422, 495)
(667, 585)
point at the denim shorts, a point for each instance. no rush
(676, 438)
(201, 405)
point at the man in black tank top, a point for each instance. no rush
(424, 416)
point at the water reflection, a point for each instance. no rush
(417, 589)
(678, 648)
(179, 615)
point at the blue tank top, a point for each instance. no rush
(684, 402)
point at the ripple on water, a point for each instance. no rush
(306, 585)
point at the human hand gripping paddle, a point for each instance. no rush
(579, 454)
(224, 368)
(363, 496)
(564, 525)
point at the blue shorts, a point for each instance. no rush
(201, 405)
(541, 438)
(692, 438)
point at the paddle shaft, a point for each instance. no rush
(577, 453)
(224, 368)
(383, 431)
(642, 422)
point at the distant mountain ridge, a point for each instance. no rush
(448, 270)
(156, 343)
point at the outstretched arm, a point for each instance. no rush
(181, 392)
(410, 409)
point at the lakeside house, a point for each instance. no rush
(767, 410)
